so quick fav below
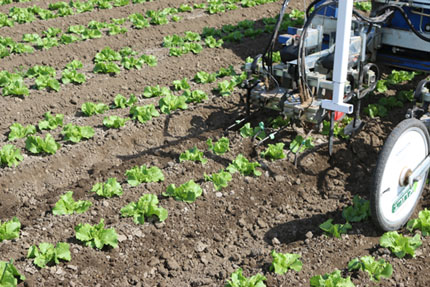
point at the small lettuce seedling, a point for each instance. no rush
(331, 279)
(90, 109)
(121, 102)
(71, 75)
(18, 131)
(108, 189)
(282, 262)
(220, 147)
(299, 144)
(10, 229)
(179, 85)
(107, 55)
(36, 144)
(238, 280)
(76, 133)
(196, 96)
(187, 192)
(193, 154)
(45, 82)
(9, 274)
(274, 151)
(334, 229)
(114, 122)
(156, 91)
(51, 122)
(244, 166)
(400, 245)
(220, 179)
(67, 205)
(225, 88)
(145, 207)
(106, 68)
(359, 211)
(143, 113)
(422, 222)
(140, 174)
(248, 131)
(10, 155)
(139, 21)
(203, 77)
(46, 253)
(376, 269)
(96, 236)
(211, 42)
(171, 103)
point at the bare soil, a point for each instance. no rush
(202, 243)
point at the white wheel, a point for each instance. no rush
(392, 203)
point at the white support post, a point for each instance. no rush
(341, 55)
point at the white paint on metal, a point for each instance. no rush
(341, 55)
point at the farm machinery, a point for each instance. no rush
(331, 63)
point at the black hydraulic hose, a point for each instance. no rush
(408, 21)
(373, 20)
(308, 10)
(275, 32)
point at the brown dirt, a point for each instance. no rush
(200, 244)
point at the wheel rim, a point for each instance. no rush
(396, 202)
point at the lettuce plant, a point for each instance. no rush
(36, 144)
(242, 165)
(145, 207)
(376, 269)
(47, 253)
(76, 133)
(171, 103)
(90, 109)
(143, 113)
(282, 262)
(422, 222)
(10, 229)
(96, 236)
(51, 122)
(334, 229)
(238, 280)
(187, 192)
(67, 205)
(220, 179)
(18, 131)
(108, 189)
(140, 174)
(358, 211)
(220, 147)
(114, 122)
(10, 275)
(331, 279)
(10, 155)
(193, 154)
(121, 102)
(274, 151)
(400, 245)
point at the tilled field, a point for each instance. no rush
(200, 243)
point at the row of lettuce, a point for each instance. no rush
(97, 236)
(24, 15)
(107, 61)
(170, 100)
(53, 37)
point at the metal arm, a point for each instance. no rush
(341, 55)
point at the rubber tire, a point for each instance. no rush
(375, 195)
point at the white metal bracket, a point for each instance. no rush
(341, 55)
